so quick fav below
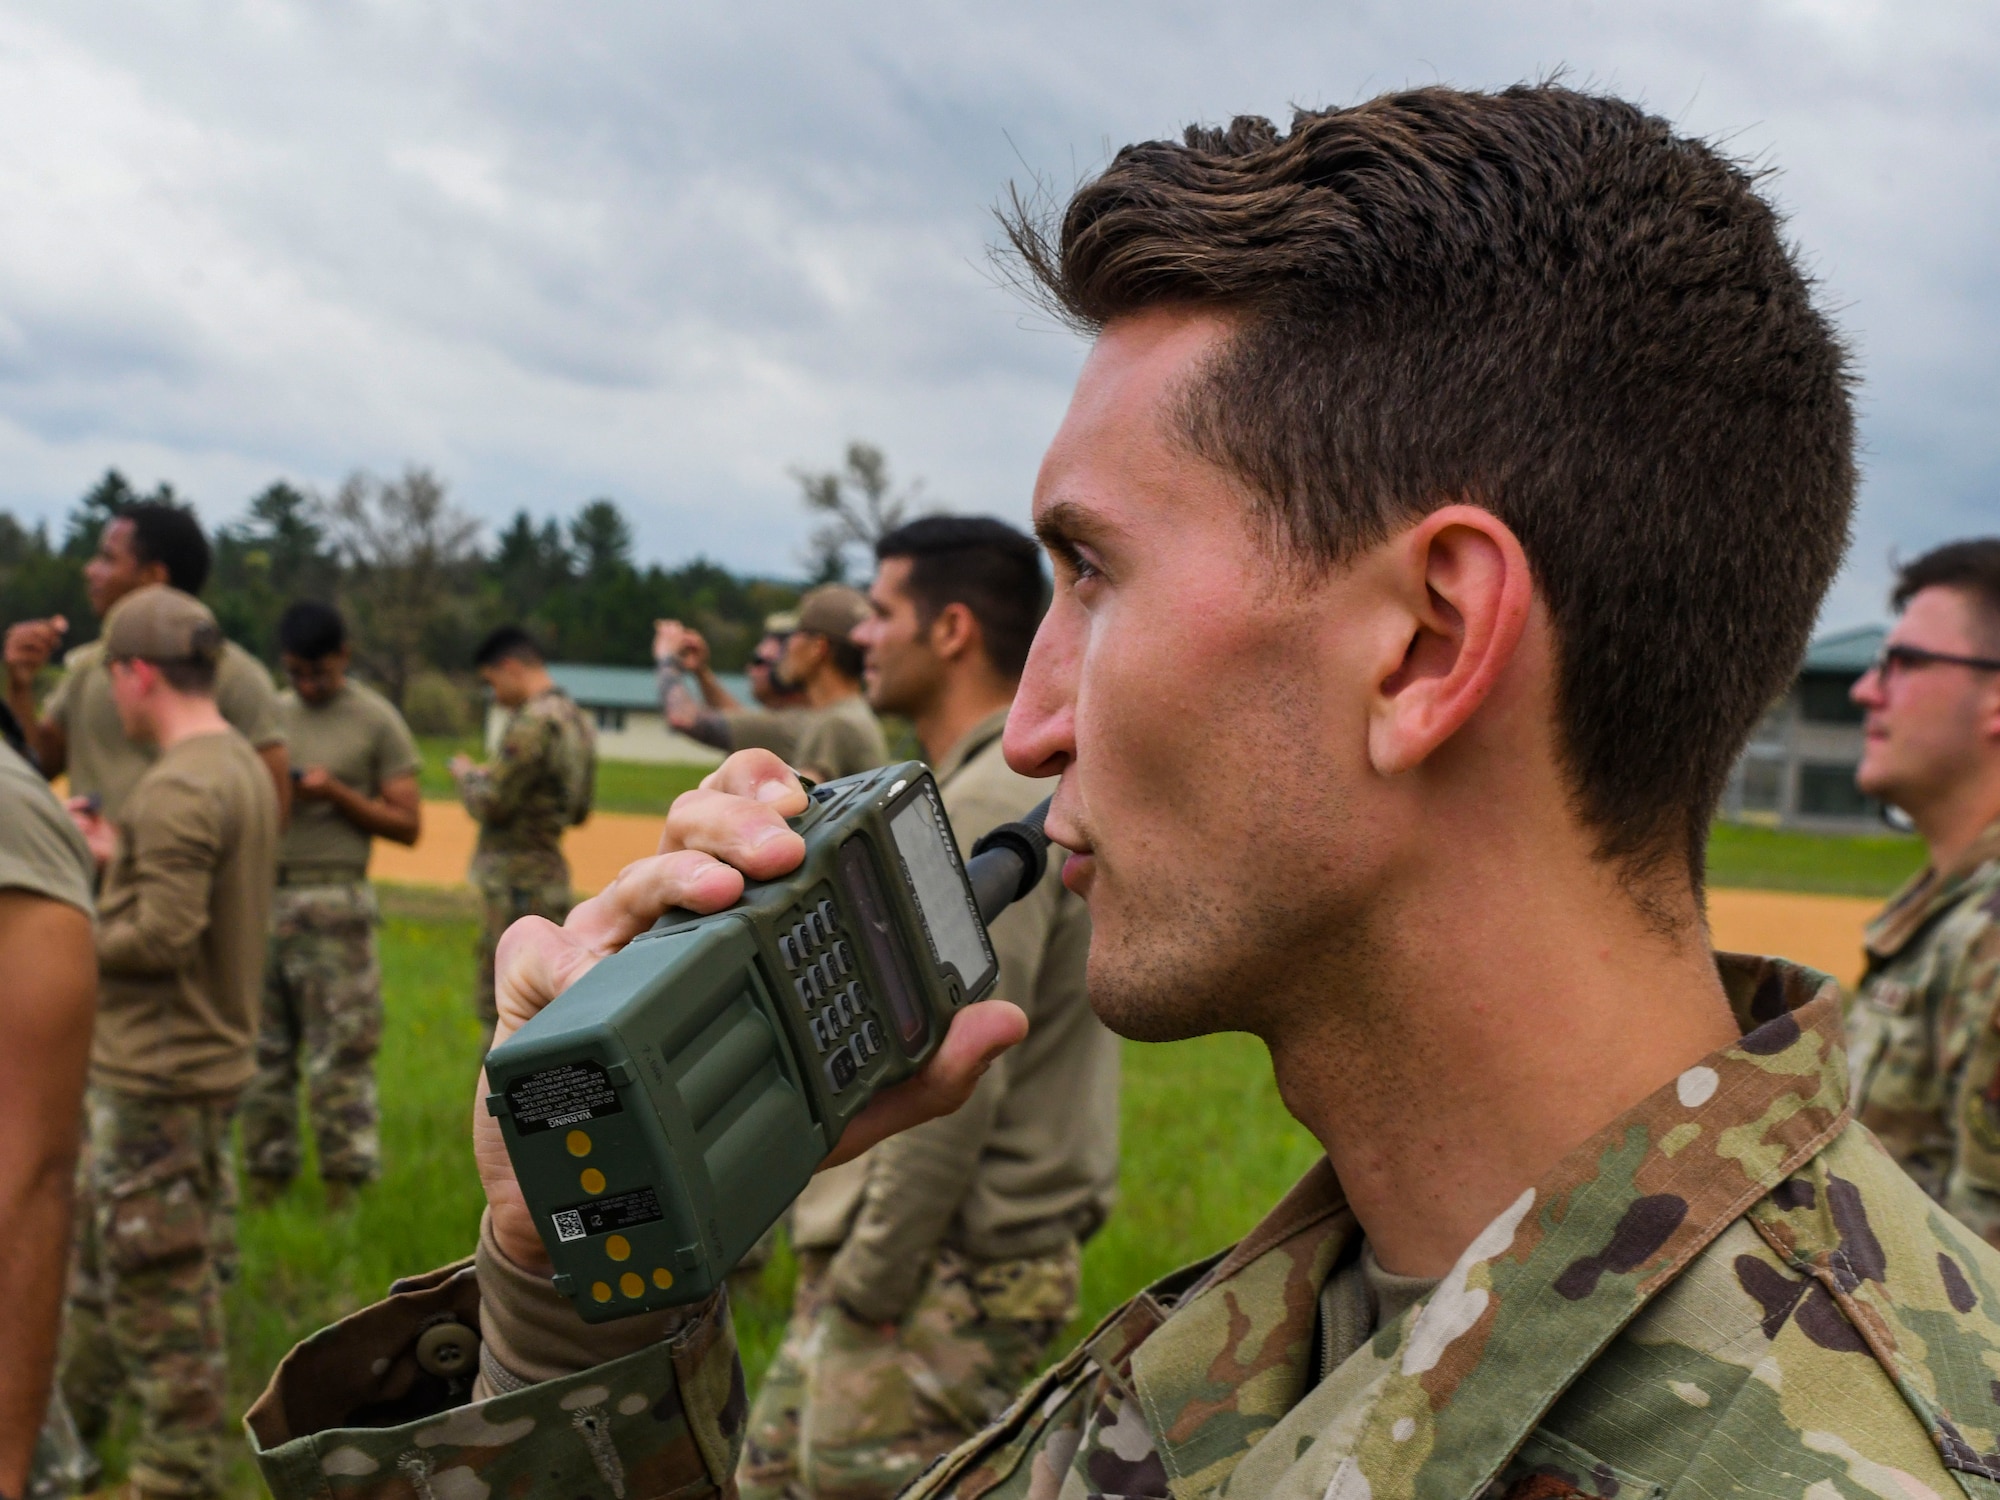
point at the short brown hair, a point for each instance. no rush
(1972, 565)
(1548, 304)
(983, 563)
(194, 675)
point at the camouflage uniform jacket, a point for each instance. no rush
(1924, 1032)
(539, 783)
(1731, 1289)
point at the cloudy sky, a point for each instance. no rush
(666, 252)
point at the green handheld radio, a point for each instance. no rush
(665, 1109)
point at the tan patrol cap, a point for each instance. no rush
(833, 609)
(784, 622)
(158, 623)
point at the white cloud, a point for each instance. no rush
(666, 252)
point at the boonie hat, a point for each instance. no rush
(833, 609)
(157, 623)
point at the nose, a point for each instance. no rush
(1041, 726)
(1868, 689)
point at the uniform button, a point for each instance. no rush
(448, 1350)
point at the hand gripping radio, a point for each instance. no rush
(664, 1110)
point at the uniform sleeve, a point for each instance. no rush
(917, 1180)
(1972, 1191)
(245, 697)
(495, 793)
(162, 908)
(395, 749)
(646, 1411)
(762, 729)
(42, 853)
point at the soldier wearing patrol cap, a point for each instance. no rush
(834, 734)
(718, 718)
(187, 869)
(540, 781)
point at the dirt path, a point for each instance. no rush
(1823, 931)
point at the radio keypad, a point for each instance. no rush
(826, 984)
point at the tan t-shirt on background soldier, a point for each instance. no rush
(362, 741)
(842, 739)
(103, 762)
(182, 922)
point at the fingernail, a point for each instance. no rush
(767, 835)
(773, 791)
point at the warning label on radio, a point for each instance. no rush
(556, 1098)
(603, 1215)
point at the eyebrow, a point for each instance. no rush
(1065, 525)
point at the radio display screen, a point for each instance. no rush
(920, 833)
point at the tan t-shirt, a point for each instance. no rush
(358, 736)
(842, 739)
(773, 729)
(40, 850)
(182, 923)
(1031, 1160)
(104, 762)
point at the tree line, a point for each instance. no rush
(417, 580)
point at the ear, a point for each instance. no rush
(1460, 579)
(953, 632)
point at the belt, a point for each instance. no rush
(322, 874)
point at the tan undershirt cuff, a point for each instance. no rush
(533, 1334)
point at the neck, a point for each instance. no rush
(963, 700)
(1487, 1021)
(182, 716)
(1951, 823)
(827, 687)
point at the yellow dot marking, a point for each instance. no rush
(631, 1285)
(601, 1290)
(662, 1277)
(618, 1247)
(593, 1180)
(578, 1143)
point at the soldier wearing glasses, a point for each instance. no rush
(1925, 1024)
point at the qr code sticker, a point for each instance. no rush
(569, 1225)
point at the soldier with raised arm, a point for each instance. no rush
(78, 731)
(540, 781)
(1452, 482)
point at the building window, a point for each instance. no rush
(1828, 791)
(1823, 699)
(1763, 784)
(610, 720)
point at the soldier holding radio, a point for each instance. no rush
(1451, 485)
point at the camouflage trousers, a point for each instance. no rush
(504, 900)
(323, 1018)
(855, 1411)
(155, 1230)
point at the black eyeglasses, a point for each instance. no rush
(1893, 659)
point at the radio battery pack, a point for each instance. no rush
(664, 1110)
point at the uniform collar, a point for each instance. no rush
(974, 740)
(1536, 1297)
(1928, 894)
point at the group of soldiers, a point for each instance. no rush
(1451, 485)
(209, 811)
